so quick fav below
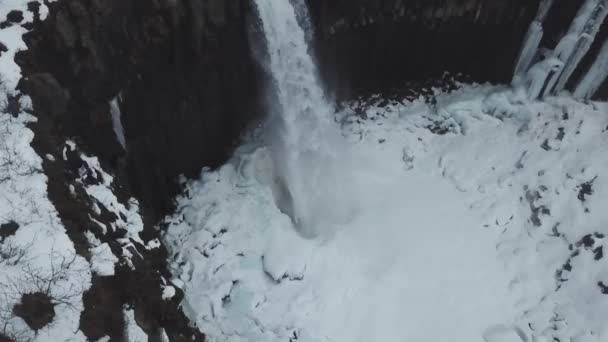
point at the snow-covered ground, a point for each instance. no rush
(38, 257)
(480, 218)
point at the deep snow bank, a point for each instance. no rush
(479, 217)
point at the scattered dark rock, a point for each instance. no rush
(8, 229)
(560, 134)
(28, 26)
(36, 309)
(587, 241)
(586, 189)
(13, 107)
(33, 6)
(598, 253)
(438, 127)
(3, 48)
(555, 231)
(14, 16)
(545, 145)
(532, 197)
(519, 164)
(603, 288)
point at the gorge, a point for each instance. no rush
(274, 170)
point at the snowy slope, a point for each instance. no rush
(38, 257)
(476, 219)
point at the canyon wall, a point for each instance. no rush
(189, 76)
(182, 70)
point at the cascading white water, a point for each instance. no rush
(305, 137)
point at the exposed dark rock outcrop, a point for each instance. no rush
(8, 229)
(372, 46)
(388, 42)
(187, 86)
(184, 72)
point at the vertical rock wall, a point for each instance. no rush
(373, 45)
(184, 72)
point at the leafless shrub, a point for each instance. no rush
(52, 282)
(13, 254)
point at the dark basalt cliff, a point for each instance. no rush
(375, 45)
(187, 87)
(183, 71)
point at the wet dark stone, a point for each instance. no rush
(585, 189)
(36, 309)
(603, 287)
(15, 16)
(598, 253)
(545, 145)
(8, 229)
(587, 241)
(28, 26)
(561, 133)
(33, 6)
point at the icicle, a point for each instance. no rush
(543, 10)
(532, 40)
(117, 122)
(564, 60)
(596, 75)
(595, 17)
(537, 76)
(530, 47)
(563, 52)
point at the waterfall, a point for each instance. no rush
(304, 134)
